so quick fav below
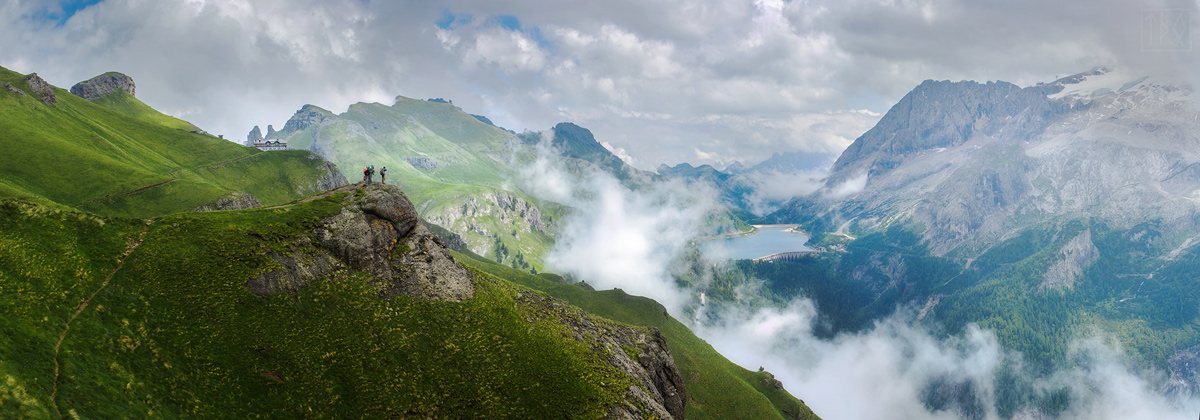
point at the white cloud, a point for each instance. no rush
(616, 237)
(849, 187)
(735, 79)
(886, 370)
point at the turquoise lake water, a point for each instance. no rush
(770, 239)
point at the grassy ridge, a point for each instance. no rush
(124, 103)
(82, 154)
(716, 387)
(177, 334)
(467, 162)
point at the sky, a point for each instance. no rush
(657, 81)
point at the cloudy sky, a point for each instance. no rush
(667, 81)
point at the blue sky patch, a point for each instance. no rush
(60, 12)
(451, 21)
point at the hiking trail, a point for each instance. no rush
(133, 244)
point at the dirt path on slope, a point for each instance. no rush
(172, 173)
(84, 304)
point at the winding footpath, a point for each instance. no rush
(84, 304)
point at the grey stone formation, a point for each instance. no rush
(104, 84)
(40, 88)
(14, 89)
(422, 163)
(307, 116)
(270, 131)
(331, 179)
(945, 114)
(254, 135)
(658, 390)
(236, 200)
(376, 232)
(1072, 259)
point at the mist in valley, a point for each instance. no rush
(636, 239)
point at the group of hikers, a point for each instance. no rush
(369, 174)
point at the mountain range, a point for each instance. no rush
(150, 269)
(1043, 214)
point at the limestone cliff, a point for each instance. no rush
(969, 164)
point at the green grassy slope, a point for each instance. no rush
(124, 103)
(469, 167)
(81, 154)
(716, 387)
(177, 334)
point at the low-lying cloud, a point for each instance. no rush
(895, 368)
(772, 188)
(616, 237)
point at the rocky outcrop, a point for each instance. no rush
(307, 116)
(332, 178)
(657, 391)
(270, 131)
(422, 163)
(104, 84)
(376, 232)
(1073, 258)
(41, 89)
(254, 135)
(14, 89)
(236, 200)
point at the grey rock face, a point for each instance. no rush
(658, 390)
(270, 131)
(254, 135)
(14, 89)
(104, 84)
(333, 178)
(1073, 258)
(236, 200)
(376, 232)
(972, 163)
(306, 117)
(944, 114)
(422, 163)
(42, 89)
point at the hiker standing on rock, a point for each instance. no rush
(383, 175)
(370, 174)
(367, 175)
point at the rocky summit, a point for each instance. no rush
(104, 84)
(972, 163)
(377, 232)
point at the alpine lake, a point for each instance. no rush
(767, 240)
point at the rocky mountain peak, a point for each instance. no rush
(308, 115)
(944, 114)
(270, 131)
(42, 89)
(104, 84)
(254, 135)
